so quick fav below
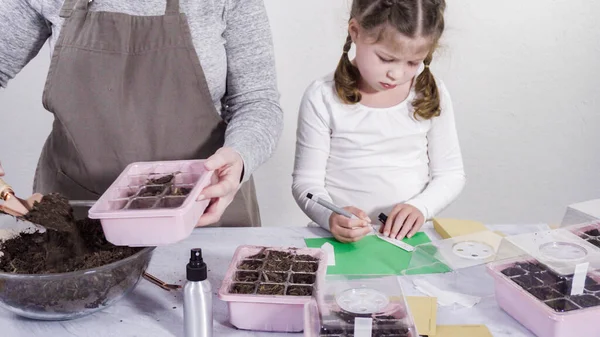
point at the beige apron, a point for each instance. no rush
(122, 89)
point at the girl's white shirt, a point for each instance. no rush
(374, 158)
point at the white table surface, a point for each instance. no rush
(150, 311)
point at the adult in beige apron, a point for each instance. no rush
(126, 88)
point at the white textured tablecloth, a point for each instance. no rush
(151, 311)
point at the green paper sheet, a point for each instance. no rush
(373, 256)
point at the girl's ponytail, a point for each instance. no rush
(427, 103)
(346, 77)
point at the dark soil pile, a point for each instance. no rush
(67, 245)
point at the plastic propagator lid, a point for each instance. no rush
(359, 305)
(561, 250)
(458, 253)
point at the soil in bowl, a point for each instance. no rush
(67, 245)
(53, 212)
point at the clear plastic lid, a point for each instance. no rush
(582, 212)
(359, 306)
(458, 253)
(559, 268)
(560, 250)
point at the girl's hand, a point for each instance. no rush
(1, 170)
(228, 166)
(404, 219)
(350, 230)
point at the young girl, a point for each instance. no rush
(379, 134)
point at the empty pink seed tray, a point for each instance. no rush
(153, 203)
(266, 288)
(541, 301)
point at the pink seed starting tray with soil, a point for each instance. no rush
(266, 288)
(153, 203)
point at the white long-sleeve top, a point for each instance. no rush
(374, 158)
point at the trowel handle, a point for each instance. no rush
(82, 203)
(5, 190)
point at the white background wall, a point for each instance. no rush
(525, 81)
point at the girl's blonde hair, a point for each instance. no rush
(413, 18)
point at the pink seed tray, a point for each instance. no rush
(153, 203)
(255, 271)
(541, 301)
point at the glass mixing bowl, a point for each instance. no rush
(64, 296)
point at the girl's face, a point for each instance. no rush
(389, 63)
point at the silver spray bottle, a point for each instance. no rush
(197, 299)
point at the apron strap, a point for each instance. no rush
(70, 5)
(172, 7)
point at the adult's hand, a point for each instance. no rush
(228, 166)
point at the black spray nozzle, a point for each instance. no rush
(196, 255)
(196, 268)
(382, 217)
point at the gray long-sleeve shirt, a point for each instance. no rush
(233, 41)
